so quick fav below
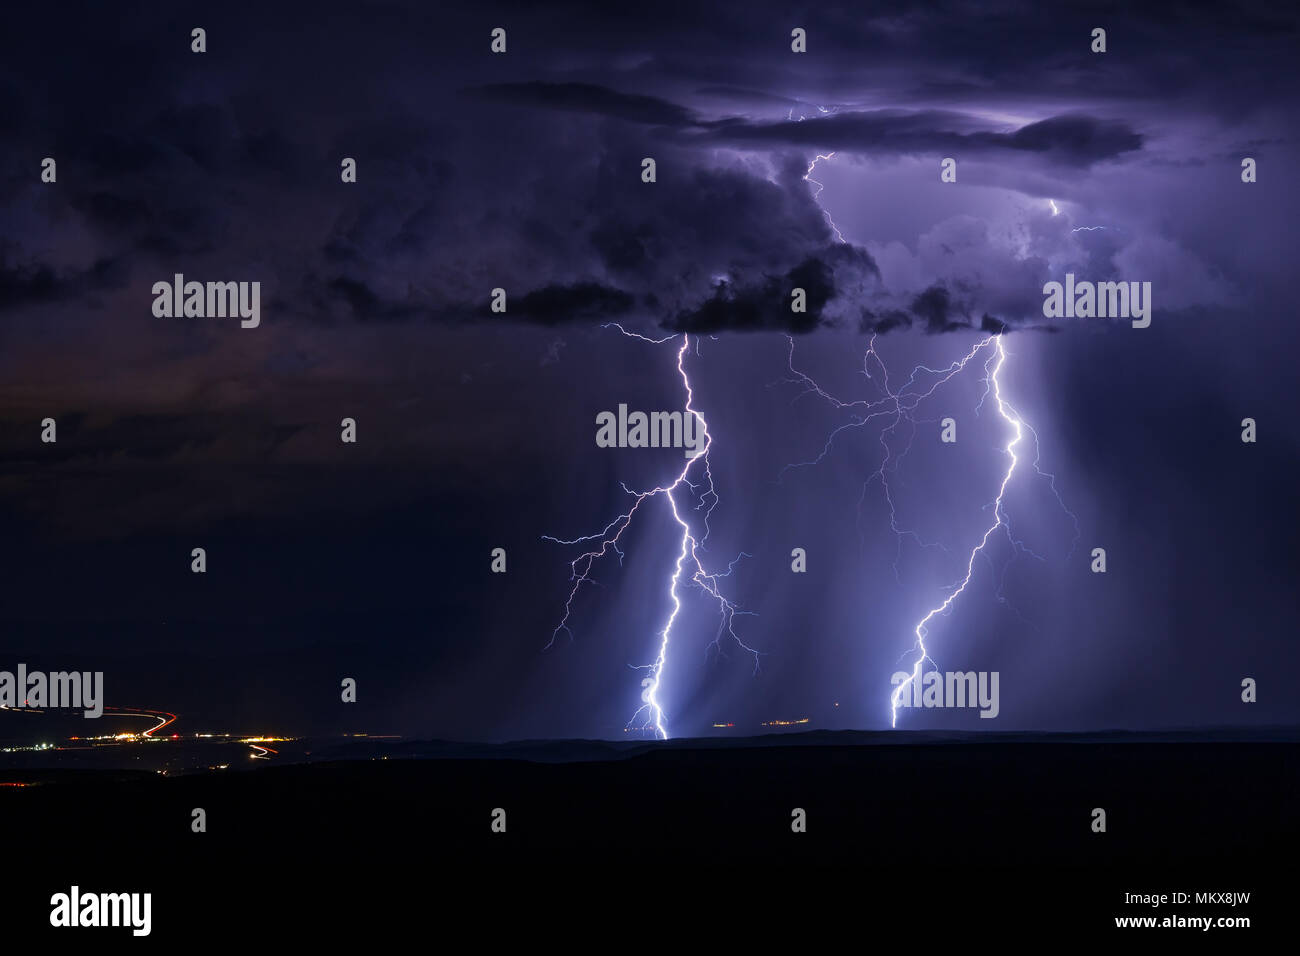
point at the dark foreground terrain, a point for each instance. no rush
(988, 838)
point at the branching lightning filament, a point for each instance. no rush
(693, 484)
(896, 407)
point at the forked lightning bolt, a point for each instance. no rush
(896, 407)
(695, 480)
(1009, 415)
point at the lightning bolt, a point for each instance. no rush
(808, 178)
(896, 407)
(1057, 212)
(695, 480)
(1010, 416)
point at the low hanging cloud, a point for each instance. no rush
(1073, 140)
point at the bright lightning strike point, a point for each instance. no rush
(651, 712)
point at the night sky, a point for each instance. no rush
(475, 430)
